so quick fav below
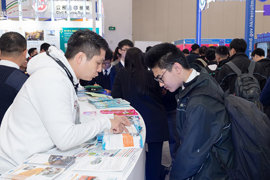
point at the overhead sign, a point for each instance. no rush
(42, 5)
(202, 5)
(250, 26)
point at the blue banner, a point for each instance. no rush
(250, 26)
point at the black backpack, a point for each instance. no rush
(246, 85)
(250, 130)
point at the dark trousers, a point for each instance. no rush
(153, 161)
(174, 141)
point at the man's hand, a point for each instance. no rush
(119, 123)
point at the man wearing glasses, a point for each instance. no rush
(123, 46)
(203, 123)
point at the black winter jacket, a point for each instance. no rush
(204, 122)
(265, 63)
(226, 76)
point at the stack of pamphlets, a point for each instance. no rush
(40, 167)
(99, 99)
(121, 112)
(108, 103)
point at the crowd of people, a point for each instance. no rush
(40, 109)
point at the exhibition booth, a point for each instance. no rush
(54, 21)
(187, 43)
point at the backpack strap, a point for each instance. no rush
(251, 67)
(213, 94)
(234, 68)
(202, 61)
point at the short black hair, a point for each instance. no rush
(202, 50)
(185, 51)
(31, 50)
(85, 41)
(239, 45)
(195, 46)
(210, 54)
(109, 55)
(125, 42)
(222, 51)
(148, 48)
(12, 43)
(164, 55)
(44, 46)
(258, 51)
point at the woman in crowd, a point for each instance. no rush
(137, 85)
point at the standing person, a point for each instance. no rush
(136, 84)
(203, 123)
(186, 52)
(32, 52)
(46, 113)
(227, 77)
(202, 61)
(103, 78)
(258, 55)
(13, 54)
(222, 57)
(194, 54)
(212, 63)
(44, 47)
(123, 46)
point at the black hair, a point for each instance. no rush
(85, 41)
(44, 46)
(202, 50)
(164, 55)
(210, 54)
(258, 51)
(134, 63)
(116, 54)
(194, 47)
(185, 51)
(222, 51)
(213, 47)
(12, 43)
(239, 45)
(31, 50)
(148, 48)
(125, 42)
(109, 55)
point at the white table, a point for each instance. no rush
(136, 169)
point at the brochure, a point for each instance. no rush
(101, 164)
(32, 172)
(51, 160)
(98, 99)
(127, 112)
(93, 88)
(122, 141)
(112, 103)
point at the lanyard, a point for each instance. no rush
(60, 63)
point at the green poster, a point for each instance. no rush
(65, 34)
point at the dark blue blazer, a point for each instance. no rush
(150, 106)
(114, 71)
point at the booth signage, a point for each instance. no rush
(265, 37)
(250, 26)
(42, 5)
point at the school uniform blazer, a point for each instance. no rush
(149, 106)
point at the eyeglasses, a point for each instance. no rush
(125, 50)
(159, 79)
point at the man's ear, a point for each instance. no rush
(79, 57)
(177, 67)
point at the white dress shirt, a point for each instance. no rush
(9, 64)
